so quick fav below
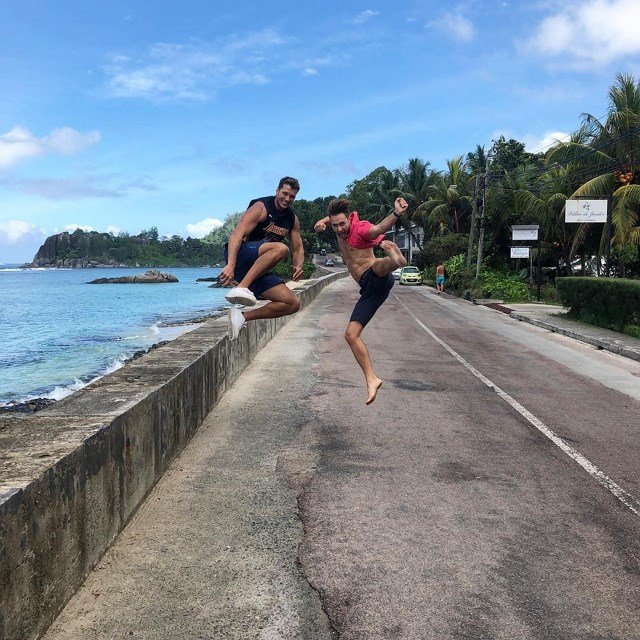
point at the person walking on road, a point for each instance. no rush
(441, 274)
(356, 240)
(255, 246)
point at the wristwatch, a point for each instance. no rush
(397, 215)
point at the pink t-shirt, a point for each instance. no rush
(359, 237)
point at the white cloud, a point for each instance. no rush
(17, 231)
(83, 227)
(194, 71)
(19, 144)
(364, 16)
(309, 71)
(588, 32)
(455, 25)
(64, 188)
(539, 144)
(200, 229)
(113, 229)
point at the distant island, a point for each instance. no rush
(86, 249)
(82, 249)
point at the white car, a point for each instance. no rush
(396, 273)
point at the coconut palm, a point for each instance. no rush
(411, 183)
(476, 160)
(449, 202)
(608, 154)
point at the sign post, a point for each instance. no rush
(520, 252)
(527, 232)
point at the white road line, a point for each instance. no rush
(627, 499)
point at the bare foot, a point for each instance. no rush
(372, 389)
(391, 249)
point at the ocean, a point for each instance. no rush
(58, 333)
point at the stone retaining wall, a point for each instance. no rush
(72, 475)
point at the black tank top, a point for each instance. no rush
(276, 226)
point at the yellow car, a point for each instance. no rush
(410, 275)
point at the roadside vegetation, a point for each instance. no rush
(478, 194)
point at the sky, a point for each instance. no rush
(118, 116)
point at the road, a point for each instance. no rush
(445, 510)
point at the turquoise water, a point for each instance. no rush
(58, 333)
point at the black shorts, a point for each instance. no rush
(374, 290)
(247, 255)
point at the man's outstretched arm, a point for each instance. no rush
(400, 206)
(297, 251)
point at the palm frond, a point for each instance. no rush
(577, 153)
(625, 213)
(601, 186)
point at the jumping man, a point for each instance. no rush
(255, 246)
(356, 239)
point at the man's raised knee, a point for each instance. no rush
(294, 305)
(282, 251)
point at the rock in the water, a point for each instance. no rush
(148, 277)
(207, 279)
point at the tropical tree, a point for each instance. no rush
(449, 201)
(608, 156)
(476, 161)
(411, 183)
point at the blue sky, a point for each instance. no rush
(123, 115)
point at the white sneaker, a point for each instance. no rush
(241, 295)
(236, 322)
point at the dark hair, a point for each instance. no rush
(292, 182)
(337, 206)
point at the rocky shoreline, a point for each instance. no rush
(34, 405)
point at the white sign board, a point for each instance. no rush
(524, 232)
(585, 211)
(519, 252)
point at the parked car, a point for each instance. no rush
(329, 262)
(410, 275)
(396, 273)
(323, 252)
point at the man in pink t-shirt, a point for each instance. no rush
(359, 233)
(356, 239)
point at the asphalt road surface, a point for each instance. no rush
(490, 492)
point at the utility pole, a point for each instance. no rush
(474, 215)
(608, 247)
(481, 224)
(538, 272)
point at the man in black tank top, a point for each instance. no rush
(255, 246)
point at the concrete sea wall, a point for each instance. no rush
(73, 474)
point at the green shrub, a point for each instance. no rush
(606, 302)
(441, 248)
(632, 330)
(490, 284)
(507, 287)
(284, 269)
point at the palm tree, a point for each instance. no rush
(449, 200)
(412, 183)
(476, 161)
(543, 203)
(608, 153)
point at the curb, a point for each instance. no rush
(620, 350)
